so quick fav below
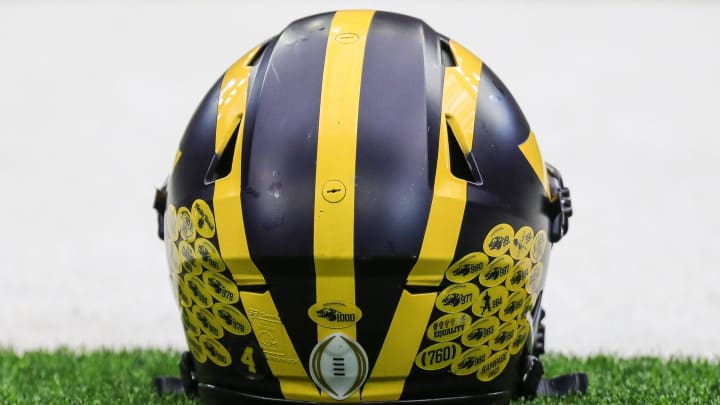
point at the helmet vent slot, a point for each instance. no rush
(221, 164)
(446, 56)
(461, 166)
(256, 58)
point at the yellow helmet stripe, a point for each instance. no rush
(277, 347)
(226, 200)
(335, 170)
(400, 347)
(531, 151)
(448, 203)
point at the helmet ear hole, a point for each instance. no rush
(221, 164)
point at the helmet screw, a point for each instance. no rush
(333, 191)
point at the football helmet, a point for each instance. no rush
(358, 211)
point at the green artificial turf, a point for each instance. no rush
(107, 377)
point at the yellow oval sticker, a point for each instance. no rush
(170, 233)
(490, 301)
(232, 319)
(529, 304)
(518, 275)
(493, 366)
(480, 331)
(207, 322)
(448, 327)
(467, 268)
(334, 315)
(185, 224)
(497, 241)
(173, 257)
(503, 336)
(514, 306)
(535, 279)
(496, 272)
(188, 261)
(521, 243)
(198, 293)
(203, 219)
(437, 356)
(190, 323)
(221, 288)
(208, 255)
(456, 297)
(537, 251)
(184, 293)
(470, 360)
(523, 331)
(195, 348)
(215, 351)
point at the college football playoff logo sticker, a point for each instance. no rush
(339, 366)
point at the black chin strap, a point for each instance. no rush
(575, 383)
(187, 383)
(533, 384)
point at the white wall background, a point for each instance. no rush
(623, 98)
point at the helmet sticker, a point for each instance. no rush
(207, 322)
(498, 240)
(456, 297)
(490, 301)
(519, 273)
(503, 336)
(185, 224)
(523, 331)
(493, 366)
(513, 306)
(208, 255)
(221, 288)
(195, 348)
(438, 356)
(334, 315)
(535, 279)
(339, 366)
(448, 327)
(537, 251)
(231, 319)
(184, 293)
(480, 331)
(190, 322)
(171, 230)
(496, 271)
(203, 219)
(467, 268)
(521, 243)
(215, 351)
(188, 261)
(470, 360)
(173, 257)
(198, 292)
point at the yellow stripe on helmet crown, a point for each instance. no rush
(335, 174)
(226, 200)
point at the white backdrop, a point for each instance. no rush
(622, 96)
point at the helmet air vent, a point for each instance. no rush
(256, 58)
(221, 163)
(446, 56)
(461, 166)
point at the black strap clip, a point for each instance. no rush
(160, 204)
(187, 383)
(560, 205)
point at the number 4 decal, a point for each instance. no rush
(248, 360)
